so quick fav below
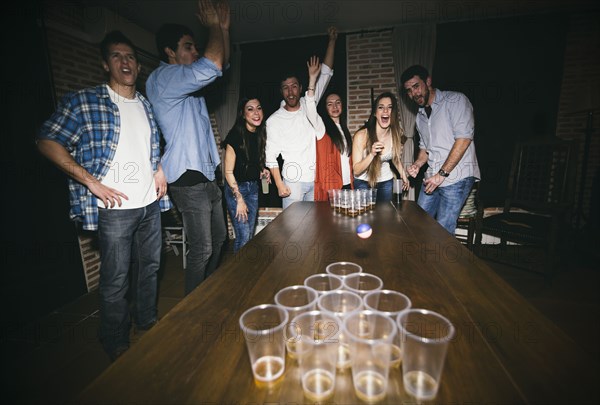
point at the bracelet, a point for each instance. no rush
(310, 88)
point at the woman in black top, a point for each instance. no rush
(244, 166)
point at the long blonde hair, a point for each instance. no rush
(397, 133)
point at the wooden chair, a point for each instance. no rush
(467, 218)
(174, 234)
(541, 182)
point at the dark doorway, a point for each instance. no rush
(511, 70)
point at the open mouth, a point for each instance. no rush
(385, 119)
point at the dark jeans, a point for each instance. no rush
(202, 213)
(384, 188)
(445, 203)
(128, 239)
(244, 231)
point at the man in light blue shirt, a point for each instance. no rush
(191, 155)
(446, 127)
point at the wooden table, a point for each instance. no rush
(504, 351)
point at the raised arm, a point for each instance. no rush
(209, 17)
(314, 69)
(330, 52)
(224, 22)
(326, 70)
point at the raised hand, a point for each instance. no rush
(332, 33)
(207, 13)
(224, 14)
(314, 67)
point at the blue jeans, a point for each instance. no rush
(301, 191)
(244, 231)
(445, 203)
(128, 239)
(204, 224)
(384, 188)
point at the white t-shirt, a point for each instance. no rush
(131, 169)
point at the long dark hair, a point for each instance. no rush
(240, 127)
(397, 133)
(333, 131)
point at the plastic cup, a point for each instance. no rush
(365, 199)
(362, 283)
(331, 198)
(323, 282)
(343, 269)
(339, 304)
(370, 335)
(425, 335)
(296, 300)
(316, 335)
(263, 327)
(390, 303)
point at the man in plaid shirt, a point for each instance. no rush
(107, 140)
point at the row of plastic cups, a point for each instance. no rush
(352, 202)
(351, 314)
(363, 339)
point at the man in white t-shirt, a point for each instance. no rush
(107, 140)
(291, 135)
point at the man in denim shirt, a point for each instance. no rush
(191, 155)
(446, 126)
(106, 139)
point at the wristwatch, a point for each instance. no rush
(443, 173)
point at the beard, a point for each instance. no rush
(423, 100)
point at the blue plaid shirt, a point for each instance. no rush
(87, 124)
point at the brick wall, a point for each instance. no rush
(580, 85)
(370, 64)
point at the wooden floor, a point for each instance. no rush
(53, 359)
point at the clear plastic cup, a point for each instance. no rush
(263, 329)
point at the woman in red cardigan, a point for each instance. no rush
(334, 150)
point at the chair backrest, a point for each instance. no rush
(472, 203)
(541, 177)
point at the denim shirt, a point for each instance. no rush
(183, 117)
(87, 123)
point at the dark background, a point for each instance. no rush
(41, 262)
(511, 70)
